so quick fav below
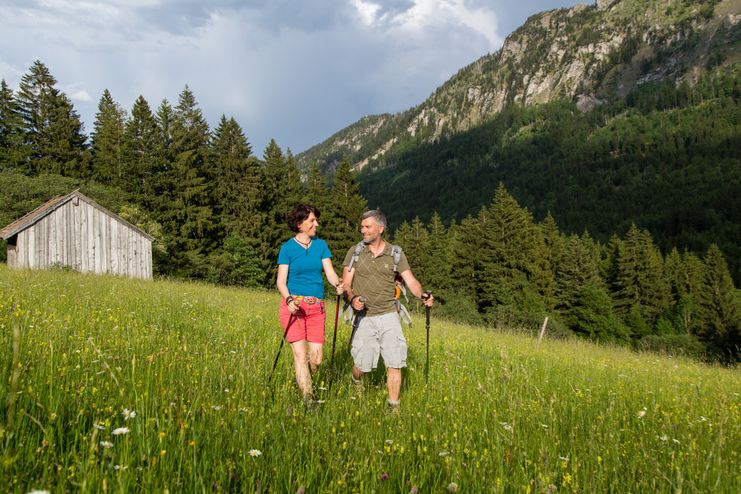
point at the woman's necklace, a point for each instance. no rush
(305, 245)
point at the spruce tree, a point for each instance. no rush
(190, 220)
(141, 156)
(720, 319)
(348, 206)
(643, 293)
(52, 128)
(282, 189)
(107, 143)
(230, 166)
(518, 281)
(13, 151)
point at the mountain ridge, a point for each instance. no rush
(590, 54)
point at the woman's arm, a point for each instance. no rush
(332, 275)
(281, 283)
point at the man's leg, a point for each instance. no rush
(393, 384)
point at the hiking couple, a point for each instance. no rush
(368, 283)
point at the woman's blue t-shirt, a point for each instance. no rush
(305, 266)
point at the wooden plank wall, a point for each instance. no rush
(87, 239)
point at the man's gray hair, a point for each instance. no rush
(377, 216)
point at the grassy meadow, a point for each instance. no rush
(113, 385)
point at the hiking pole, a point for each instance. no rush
(425, 296)
(354, 326)
(282, 341)
(334, 340)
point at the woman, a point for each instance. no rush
(300, 264)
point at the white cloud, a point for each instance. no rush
(291, 70)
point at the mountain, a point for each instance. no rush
(609, 114)
(590, 54)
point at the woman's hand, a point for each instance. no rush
(340, 287)
(293, 305)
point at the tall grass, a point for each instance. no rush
(500, 413)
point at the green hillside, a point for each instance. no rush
(667, 159)
(500, 414)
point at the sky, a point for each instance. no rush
(294, 71)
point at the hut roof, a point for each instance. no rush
(48, 207)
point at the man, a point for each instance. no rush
(369, 286)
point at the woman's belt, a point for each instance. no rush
(306, 300)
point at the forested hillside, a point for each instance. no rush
(667, 159)
(621, 112)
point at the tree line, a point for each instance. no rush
(216, 210)
(501, 268)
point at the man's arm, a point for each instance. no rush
(416, 287)
(347, 277)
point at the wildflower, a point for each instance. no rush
(642, 413)
(128, 414)
(389, 441)
(120, 467)
(452, 487)
(301, 490)
(675, 441)
(664, 438)
(38, 492)
(255, 453)
(120, 431)
(507, 427)
(106, 444)
(216, 407)
(443, 453)
(414, 490)
(384, 476)
(98, 426)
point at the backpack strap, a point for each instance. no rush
(396, 253)
(358, 249)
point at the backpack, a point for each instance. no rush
(400, 288)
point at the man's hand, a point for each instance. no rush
(427, 299)
(358, 303)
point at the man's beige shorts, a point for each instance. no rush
(379, 335)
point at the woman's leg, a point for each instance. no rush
(315, 355)
(301, 366)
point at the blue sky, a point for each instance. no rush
(295, 71)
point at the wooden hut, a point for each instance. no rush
(75, 231)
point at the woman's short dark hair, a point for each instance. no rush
(298, 215)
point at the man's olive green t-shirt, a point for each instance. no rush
(373, 278)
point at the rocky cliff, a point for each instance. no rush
(590, 54)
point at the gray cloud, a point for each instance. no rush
(291, 70)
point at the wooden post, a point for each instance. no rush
(542, 329)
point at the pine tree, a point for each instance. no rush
(107, 143)
(643, 292)
(141, 156)
(13, 152)
(189, 221)
(282, 190)
(53, 129)
(230, 173)
(720, 320)
(348, 207)
(518, 281)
